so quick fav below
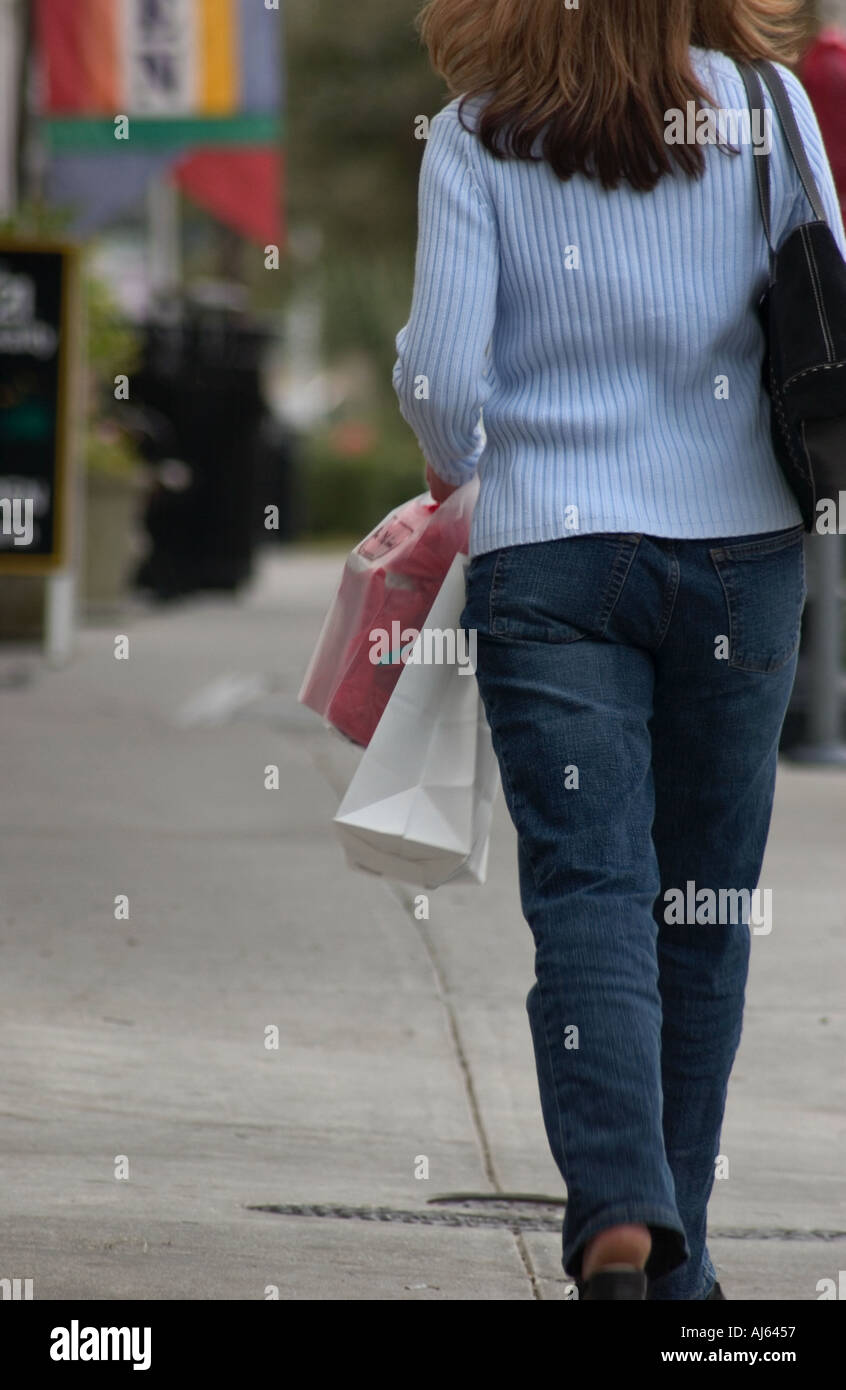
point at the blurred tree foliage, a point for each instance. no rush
(358, 78)
(113, 347)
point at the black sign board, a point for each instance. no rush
(37, 284)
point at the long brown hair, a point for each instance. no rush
(597, 79)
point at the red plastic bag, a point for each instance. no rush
(389, 584)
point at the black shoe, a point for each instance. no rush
(716, 1292)
(614, 1281)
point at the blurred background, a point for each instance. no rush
(247, 251)
(247, 262)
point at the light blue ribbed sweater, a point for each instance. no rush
(601, 386)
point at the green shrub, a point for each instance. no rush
(346, 495)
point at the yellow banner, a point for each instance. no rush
(219, 57)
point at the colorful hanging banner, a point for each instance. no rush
(177, 59)
(130, 86)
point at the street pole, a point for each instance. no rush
(164, 240)
(824, 742)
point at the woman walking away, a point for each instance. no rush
(590, 259)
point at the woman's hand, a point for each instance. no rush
(438, 488)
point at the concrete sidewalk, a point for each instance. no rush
(139, 1043)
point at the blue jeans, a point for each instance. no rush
(636, 688)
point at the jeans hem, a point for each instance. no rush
(669, 1242)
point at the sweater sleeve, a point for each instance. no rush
(818, 159)
(440, 375)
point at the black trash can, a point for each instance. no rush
(201, 375)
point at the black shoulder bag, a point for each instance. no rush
(803, 312)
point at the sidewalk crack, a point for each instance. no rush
(406, 901)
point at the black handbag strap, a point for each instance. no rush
(755, 93)
(790, 126)
(781, 101)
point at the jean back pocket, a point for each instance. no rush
(765, 587)
(550, 591)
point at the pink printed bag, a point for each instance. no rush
(389, 584)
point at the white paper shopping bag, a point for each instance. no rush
(418, 808)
